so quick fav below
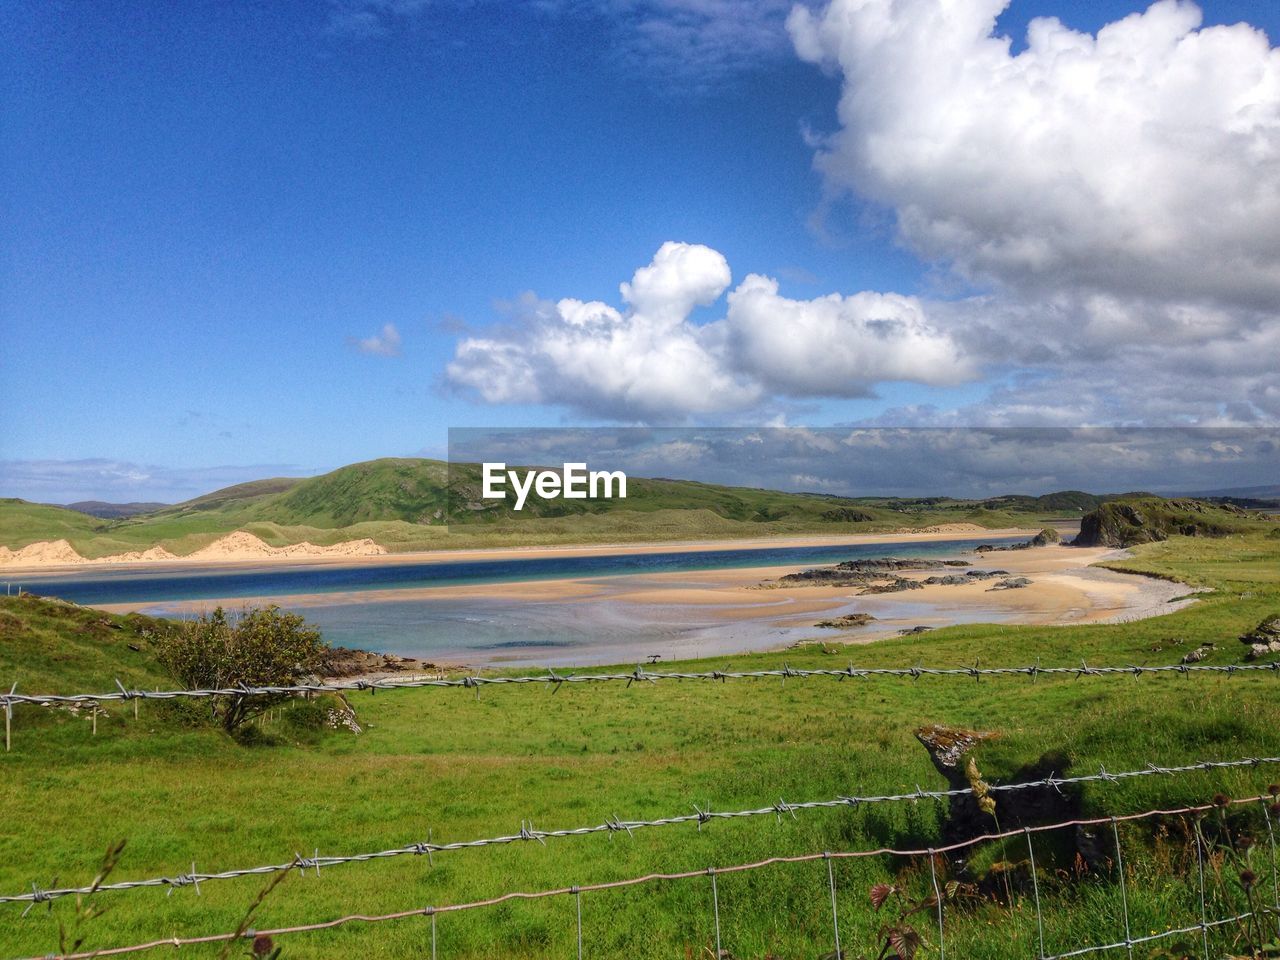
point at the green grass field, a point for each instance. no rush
(460, 767)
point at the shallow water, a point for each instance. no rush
(368, 614)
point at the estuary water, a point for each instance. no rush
(366, 604)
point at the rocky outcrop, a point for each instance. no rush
(1011, 583)
(341, 662)
(1044, 538)
(884, 575)
(1264, 639)
(970, 814)
(850, 621)
(861, 572)
(1126, 523)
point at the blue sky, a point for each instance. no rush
(208, 206)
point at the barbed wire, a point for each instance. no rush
(577, 891)
(638, 675)
(615, 825)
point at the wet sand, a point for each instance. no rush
(716, 612)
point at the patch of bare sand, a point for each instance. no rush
(245, 546)
(238, 546)
(43, 553)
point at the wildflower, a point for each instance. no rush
(262, 945)
(1221, 800)
(1274, 789)
(1247, 879)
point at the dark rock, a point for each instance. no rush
(847, 622)
(1011, 583)
(1264, 639)
(877, 575)
(1042, 539)
(896, 585)
(912, 631)
(948, 749)
(881, 564)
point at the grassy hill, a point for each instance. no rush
(1147, 519)
(404, 504)
(462, 767)
(49, 644)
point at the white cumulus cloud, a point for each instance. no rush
(1143, 160)
(650, 361)
(837, 346)
(1117, 195)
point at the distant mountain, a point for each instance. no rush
(112, 511)
(1265, 492)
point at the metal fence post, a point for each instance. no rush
(835, 914)
(715, 906)
(937, 896)
(1035, 891)
(1124, 893)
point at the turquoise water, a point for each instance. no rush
(367, 613)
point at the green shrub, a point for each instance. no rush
(261, 647)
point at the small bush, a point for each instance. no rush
(262, 647)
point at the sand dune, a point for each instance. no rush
(234, 546)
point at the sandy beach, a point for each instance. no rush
(724, 611)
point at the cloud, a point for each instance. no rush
(69, 481)
(681, 45)
(1144, 160)
(693, 43)
(1117, 196)
(651, 362)
(370, 18)
(385, 343)
(837, 346)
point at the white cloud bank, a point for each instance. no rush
(650, 361)
(1118, 194)
(1144, 160)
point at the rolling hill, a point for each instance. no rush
(404, 504)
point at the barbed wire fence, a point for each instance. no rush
(614, 825)
(555, 680)
(934, 906)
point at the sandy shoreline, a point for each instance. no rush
(246, 550)
(725, 610)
